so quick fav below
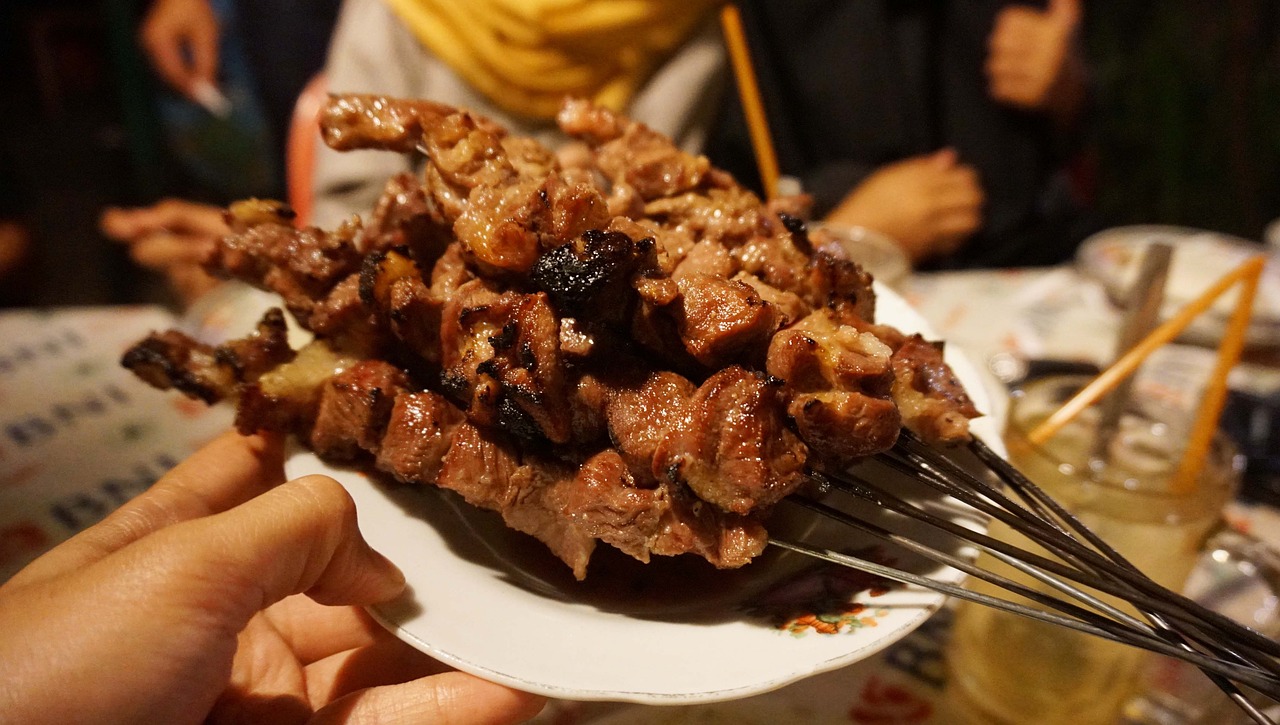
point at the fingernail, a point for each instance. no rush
(389, 580)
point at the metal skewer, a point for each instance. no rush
(1231, 654)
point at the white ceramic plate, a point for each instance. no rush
(494, 603)
(1200, 258)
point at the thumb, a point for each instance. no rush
(1066, 13)
(299, 537)
(944, 158)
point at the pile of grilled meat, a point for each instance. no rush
(611, 343)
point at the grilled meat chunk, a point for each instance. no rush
(354, 409)
(639, 411)
(838, 382)
(501, 360)
(591, 277)
(723, 320)
(300, 265)
(376, 122)
(933, 403)
(632, 153)
(735, 450)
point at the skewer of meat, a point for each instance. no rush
(688, 366)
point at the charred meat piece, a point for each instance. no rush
(391, 286)
(590, 277)
(505, 228)
(501, 362)
(673, 244)
(266, 348)
(418, 435)
(300, 265)
(344, 319)
(934, 404)
(735, 450)
(174, 360)
(840, 285)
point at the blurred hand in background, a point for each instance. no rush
(171, 237)
(929, 204)
(180, 38)
(1034, 60)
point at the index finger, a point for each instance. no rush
(225, 473)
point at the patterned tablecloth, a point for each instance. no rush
(78, 436)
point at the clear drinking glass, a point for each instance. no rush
(1008, 669)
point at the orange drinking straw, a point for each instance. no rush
(1215, 394)
(749, 91)
(1228, 353)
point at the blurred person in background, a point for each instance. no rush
(284, 44)
(944, 125)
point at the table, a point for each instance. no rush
(78, 436)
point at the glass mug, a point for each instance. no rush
(1004, 668)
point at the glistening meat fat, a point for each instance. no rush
(611, 343)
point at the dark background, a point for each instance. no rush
(1185, 130)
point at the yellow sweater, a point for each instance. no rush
(527, 55)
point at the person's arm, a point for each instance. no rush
(180, 38)
(180, 608)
